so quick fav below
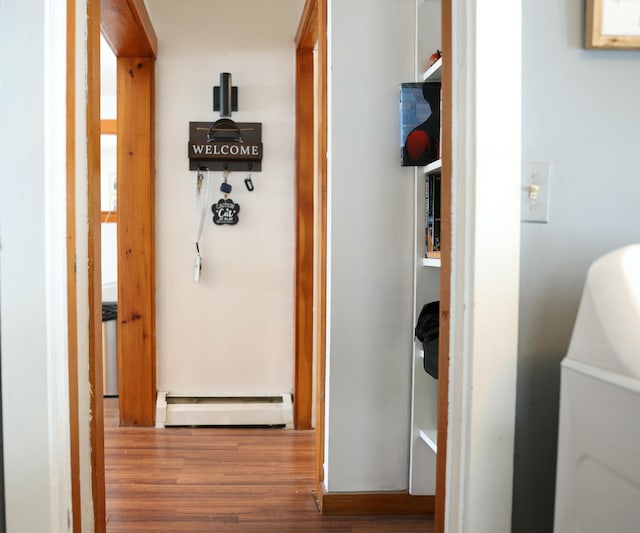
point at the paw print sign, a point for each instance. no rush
(225, 212)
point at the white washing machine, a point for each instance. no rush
(598, 468)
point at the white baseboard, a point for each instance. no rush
(224, 411)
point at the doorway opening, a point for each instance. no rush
(128, 32)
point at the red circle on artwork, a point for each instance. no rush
(417, 143)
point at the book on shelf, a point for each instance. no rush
(432, 199)
(426, 214)
(419, 123)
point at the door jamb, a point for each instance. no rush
(446, 144)
(126, 19)
(311, 250)
(312, 33)
(306, 254)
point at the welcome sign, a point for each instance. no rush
(225, 145)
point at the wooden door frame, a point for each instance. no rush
(446, 145)
(312, 35)
(72, 301)
(310, 212)
(306, 260)
(95, 272)
(127, 28)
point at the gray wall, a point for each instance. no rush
(369, 318)
(580, 111)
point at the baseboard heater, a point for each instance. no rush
(224, 410)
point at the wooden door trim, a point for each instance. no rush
(72, 305)
(136, 242)
(312, 31)
(95, 281)
(446, 144)
(310, 249)
(138, 26)
(373, 503)
(127, 27)
(108, 126)
(321, 261)
(304, 213)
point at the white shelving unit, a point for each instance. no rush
(430, 262)
(424, 404)
(434, 72)
(432, 168)
(430, 437)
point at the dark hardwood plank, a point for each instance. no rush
(221, 479)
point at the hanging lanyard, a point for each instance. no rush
(202, 196)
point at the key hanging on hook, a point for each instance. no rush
(225, 186)
(247, 181)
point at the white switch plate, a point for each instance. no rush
(534, 193)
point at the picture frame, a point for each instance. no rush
(612, 24)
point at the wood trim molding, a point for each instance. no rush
(95, 282)
(321, 246)
(446, 144)
(304, 240)
(72, 305)
(373, 503)
(127, 28)
(136, 242)
(311, 250)
(108, 126)
(108, 217)
(307, 33)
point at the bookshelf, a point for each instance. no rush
(433, 262)
(430, 437)
(434, 72)
(432, 168)
(424, 401)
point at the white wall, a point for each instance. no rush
(232, 333)
(580, 113)
(108, 166)
(486, 126)
(370, 253)
(33, 266)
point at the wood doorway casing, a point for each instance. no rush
(311, 249)
(311, 220)
(127, 28)
(446, 147)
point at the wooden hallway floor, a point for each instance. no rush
(192, 480)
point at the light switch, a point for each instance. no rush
(534, 192)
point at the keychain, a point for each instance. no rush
(225, 211)
(248, 183)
